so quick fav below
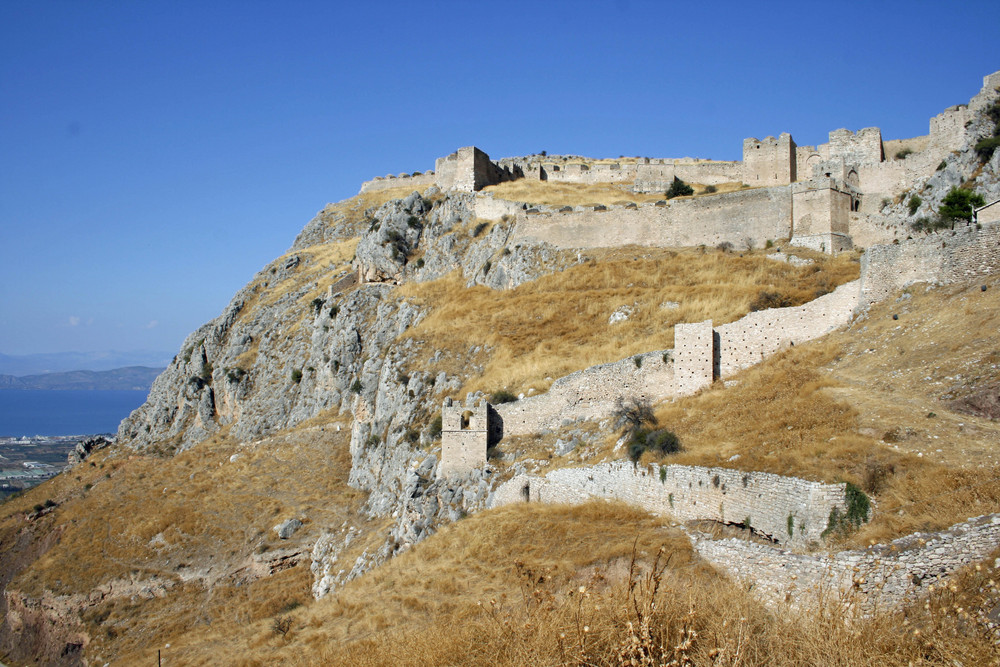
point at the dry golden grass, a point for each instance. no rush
(587, 585)
(553, 193)
(559, 323)
(796, 413)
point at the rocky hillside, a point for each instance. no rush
(292, 444)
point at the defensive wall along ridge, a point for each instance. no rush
(701, 354)
(881, 576)
(822, 197)
(786, 510)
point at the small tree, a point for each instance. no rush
(958, 205)
(679, 189)
(633, 414)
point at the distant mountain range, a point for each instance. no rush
(130, 377)
(59, 362)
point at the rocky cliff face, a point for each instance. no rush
(321, 330)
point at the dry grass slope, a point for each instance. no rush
(558, 324)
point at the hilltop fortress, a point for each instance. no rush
(829, 197)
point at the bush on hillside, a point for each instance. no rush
(679, 189)
(959, 203)
(502, 396)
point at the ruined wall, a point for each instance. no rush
(788, 510)
(590, 393)
(657, 175)
(882, 576)
(759, 214)
(749, 340)
(415, 181)
(940, 258)
(769, 161)
(694, 358)
(861, 147)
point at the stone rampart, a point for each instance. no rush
(415, 181)
(940, 258)
(883, 576)
(755, 215)
(751, 339)
(590, 393)
(787, 510)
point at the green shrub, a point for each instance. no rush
(297, 375)
(420, 263)
(502, 396)
(637, 360)
(235, 375)
(317, 305)
(435, 428)
(333, 311)
(679, 188)
(925, 224)
(791, 525)
(914, 204)
(412, 435)
(766, 299)
(942, 166)
(986, 147)
(959, 203)
(709, 189)
(901, 154)
(356, 387)
(661, 442)
(479, 229)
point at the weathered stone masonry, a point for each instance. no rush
(466, 433)
(885, 575)
(787, 510)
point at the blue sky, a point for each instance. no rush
(155, 155)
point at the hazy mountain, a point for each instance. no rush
(58, 362)
(130, 377)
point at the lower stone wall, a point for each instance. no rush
(883, 576)
(787, 510)
(940, 258)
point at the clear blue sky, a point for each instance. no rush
(155, 155)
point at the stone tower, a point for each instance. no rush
(466, 434)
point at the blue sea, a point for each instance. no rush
(66, 412)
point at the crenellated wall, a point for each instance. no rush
(787, 510)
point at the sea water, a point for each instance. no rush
(65, 412)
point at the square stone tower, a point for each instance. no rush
(769, 161)
(466, 434)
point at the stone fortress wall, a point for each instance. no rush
(786, 510)
(755, 216)
(882, 576)
(940, 258)
(700, 355)
(815, 196)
